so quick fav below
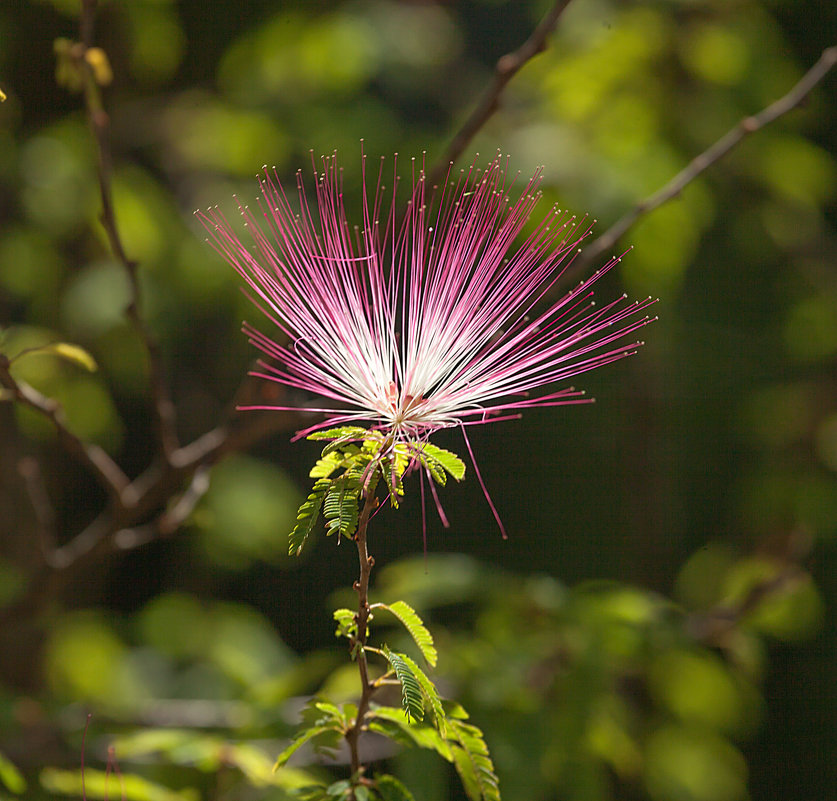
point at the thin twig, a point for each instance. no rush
(164, 412)
(504, 70)
(714, 626)
(109, 474)
(749, 125)
(169, 521)
(30, 472)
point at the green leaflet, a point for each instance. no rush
(307, 516)
(303, 737)
(473, 762)
(411, 694)
(341, 432)
(438, 460)
(390, 789)
(428, 690)
(416, 628)
(340, 507)
(393, 477)
(346, 626)
(394, 724)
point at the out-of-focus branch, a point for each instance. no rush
(164, 412)
(109, 473)
(30, 472)
(714, 625)
(749, 125)
(504, 70)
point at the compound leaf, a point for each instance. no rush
(341, 506)
(473, 762)
(411, 694)
(307, 516)
(435, 458)
(415, 626)
(430, 693)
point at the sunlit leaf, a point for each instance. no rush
(416, 628)
(11, 776)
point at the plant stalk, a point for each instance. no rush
(362, 619)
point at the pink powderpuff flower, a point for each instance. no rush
(428, 320)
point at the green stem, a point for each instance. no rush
(362, 619)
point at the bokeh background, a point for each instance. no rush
(591, 646)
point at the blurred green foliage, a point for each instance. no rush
(706, 468)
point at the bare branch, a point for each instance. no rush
(99, 121)
(108, 473)
(30, 472)
(169, 521)
(749, 125)
(504, 70)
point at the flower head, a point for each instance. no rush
(428, 319)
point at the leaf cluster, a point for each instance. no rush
(350, 467)
(423, 721)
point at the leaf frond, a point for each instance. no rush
(415, 627)
(307, 516)
(473, 762)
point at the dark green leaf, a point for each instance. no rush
(306, 735)
(341, 432)
(341, 506)
(390, 789)
(394, 724)
(411, 695)
(306, 517)
(473, 762)
(428, 690)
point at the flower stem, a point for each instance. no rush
(362, 619)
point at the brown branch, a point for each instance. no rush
(30, 472)
(362, 620)
(164, 412)
(714, 626)
(108, 473)
(504, 70)
(749, 125)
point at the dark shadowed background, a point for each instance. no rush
(587, 645)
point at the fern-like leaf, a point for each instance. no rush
(430, 694)
(437, 460)
(307, 516)
(341, 506)
(394, 724)
(416, 628)
(393, 479)
(341, 432)
(411, 694)
(473, 762)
